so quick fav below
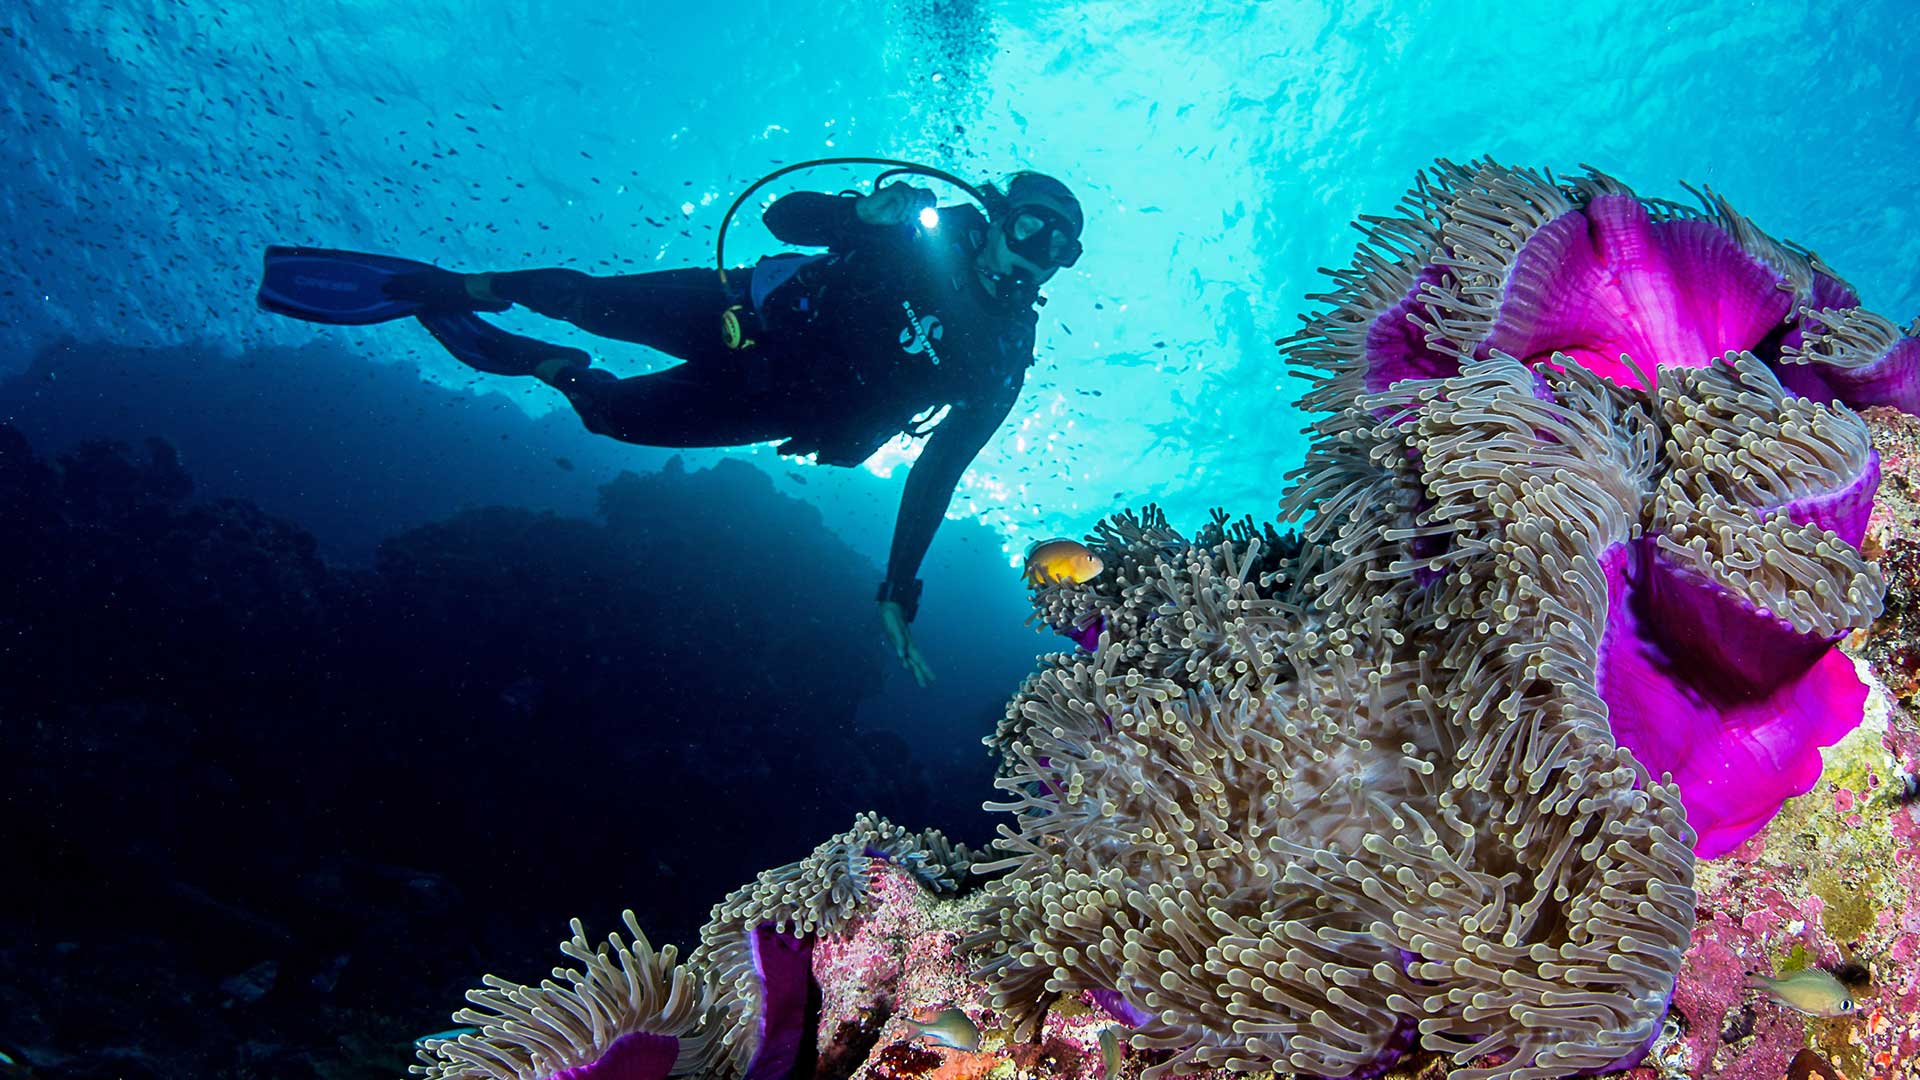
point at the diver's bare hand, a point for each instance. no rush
(895, 204)
(894, 618)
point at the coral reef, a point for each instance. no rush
(1832, 881)
(1579, 531)
(739, 1006)
(1548, 595)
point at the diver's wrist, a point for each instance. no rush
(906, 595)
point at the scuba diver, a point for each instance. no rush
(911, 308)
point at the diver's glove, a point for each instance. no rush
(895, 204)
(894, 618)
(444, 290)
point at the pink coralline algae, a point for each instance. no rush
(1834, 883)
(901, 958)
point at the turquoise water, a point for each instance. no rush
(1220, 151)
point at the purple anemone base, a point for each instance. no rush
(1115, 1004)
(1628, 1061)
(1700, 684)
(1403, 1041)
(784, 965)
(1729, 700)
(637, 1055)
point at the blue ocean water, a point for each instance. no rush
(1220, 151)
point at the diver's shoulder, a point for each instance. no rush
(964, 216)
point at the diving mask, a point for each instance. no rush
(1042, 235)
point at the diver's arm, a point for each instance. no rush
(810, 219)
(952, 446)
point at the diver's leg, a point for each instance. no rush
(684, 406)
(675, 311)
(485, 347)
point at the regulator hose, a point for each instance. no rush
(896, 168)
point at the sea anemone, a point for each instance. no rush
(626, 1012)
(1573, 564)
(1743, 566)
(735, 1008)
(1287, 840)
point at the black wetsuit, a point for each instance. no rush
(889, 325)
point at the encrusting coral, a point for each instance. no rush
(1578, 530)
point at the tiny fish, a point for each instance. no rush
(565, 464)
(1111, 1048)
(1812, 991)
(448, 1035)
(1062, 560)
(950, 1028)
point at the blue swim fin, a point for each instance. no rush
(344, 288)
(349, 288)
(483, 346)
